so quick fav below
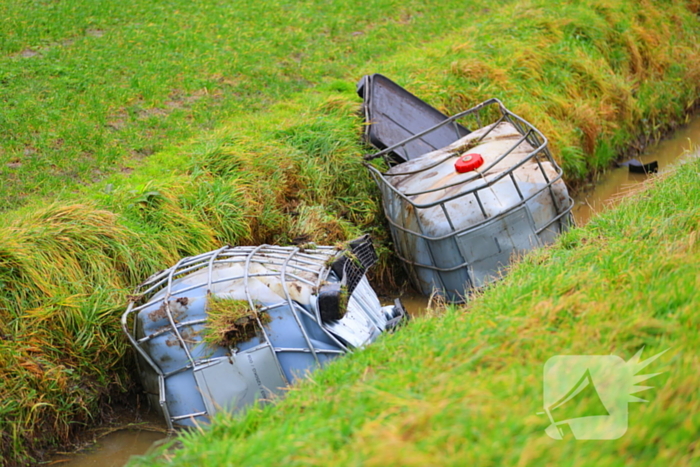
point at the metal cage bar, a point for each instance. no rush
(152, 316)
(487, 115)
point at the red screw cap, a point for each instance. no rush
(468, 162)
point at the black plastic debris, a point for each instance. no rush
(351, 268)
(637, 167)
(393, 114)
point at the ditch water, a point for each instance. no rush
(115, 448)
(115, 445)
(615, 184)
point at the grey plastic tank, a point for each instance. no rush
(303, 306)
(459, 214)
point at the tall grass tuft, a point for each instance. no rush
(594, 76)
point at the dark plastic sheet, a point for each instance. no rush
(394, 114)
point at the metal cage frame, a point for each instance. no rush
(291, 261)
(529, 133)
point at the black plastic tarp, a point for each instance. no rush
(393, 114)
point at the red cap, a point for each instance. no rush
(468, 162)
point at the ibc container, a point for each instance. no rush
(459, 214)
(302, 307)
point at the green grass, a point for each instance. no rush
(136, 133)
(464, 387)
(92, 88)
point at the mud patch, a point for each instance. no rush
(14, 164)
(177, 309)
(157, 112)
(28, 53)
(95, 32)
(189, 336)
(118, 121)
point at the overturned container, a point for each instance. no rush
(220, 330)
(460, 211)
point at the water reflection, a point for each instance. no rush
(614, 184)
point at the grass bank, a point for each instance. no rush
(93, 88)
(157, 133)
(464, 387)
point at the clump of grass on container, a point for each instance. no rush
(231, 321)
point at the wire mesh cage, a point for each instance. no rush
(457, 230)
(288, 311)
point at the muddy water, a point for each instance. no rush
(116, 448)
(414, 303)
(617, 183)
(112, 450)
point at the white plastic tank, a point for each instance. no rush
(460, 213)
(298, 308)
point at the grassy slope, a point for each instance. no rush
(91, 88)
(291, 169)
(463, 388)
(66, 267)
(113, 83)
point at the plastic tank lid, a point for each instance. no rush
(468, 162)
